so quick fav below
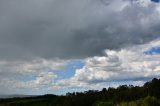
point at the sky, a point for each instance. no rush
(60, 46)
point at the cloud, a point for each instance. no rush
(32, 67)
(36, 74)
(127, 64)
(130, 65)
(38, 37)
(73, 28)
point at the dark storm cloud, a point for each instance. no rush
(133, 25)
(72, 28)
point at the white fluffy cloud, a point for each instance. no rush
(35, 66)
(76, 29)
(29, 75)
(117, 65)
(127, 64)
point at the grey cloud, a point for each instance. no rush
(72, 28)
(128, 64)
(28, 75)
(133, 25)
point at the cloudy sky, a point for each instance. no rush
(59, 46)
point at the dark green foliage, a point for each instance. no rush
(147, 95)
(103, 104)
(151, 101)
(148, 101)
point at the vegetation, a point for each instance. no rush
(148, 101)
(147, 95)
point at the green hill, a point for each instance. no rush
(147, 95)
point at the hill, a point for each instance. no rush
(147, 95)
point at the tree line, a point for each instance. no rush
(122, 96)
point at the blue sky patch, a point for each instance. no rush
(157, 1)
(153, 51)
(70, 69)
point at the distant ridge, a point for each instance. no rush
(3, 96)
(147, 95)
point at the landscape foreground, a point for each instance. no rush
(146, 95)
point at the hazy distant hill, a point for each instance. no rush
(15, 95)
(124, 95)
